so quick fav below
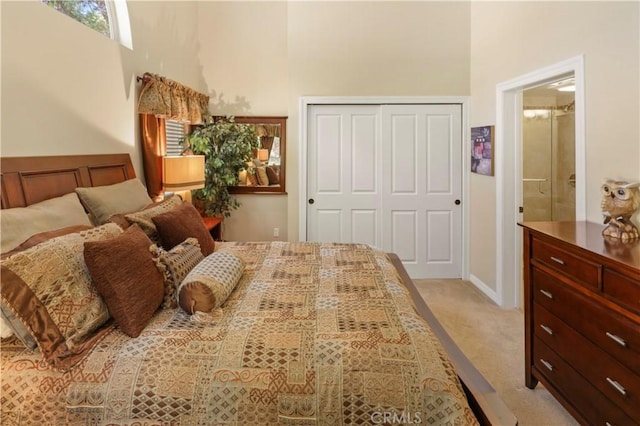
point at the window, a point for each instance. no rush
(109, 18)
(94, 14)
(175, 132)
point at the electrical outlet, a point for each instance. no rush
(276, 232)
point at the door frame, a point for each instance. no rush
(307, 101)
(508, 164)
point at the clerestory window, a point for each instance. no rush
(108, 17)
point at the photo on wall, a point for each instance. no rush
(482, 150)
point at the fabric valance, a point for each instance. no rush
(163, 97)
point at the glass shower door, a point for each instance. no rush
(548, 184)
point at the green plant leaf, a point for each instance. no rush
(227, 147)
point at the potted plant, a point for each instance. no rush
(227, 147)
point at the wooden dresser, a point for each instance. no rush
(582, 320)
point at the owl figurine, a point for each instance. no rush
(620, 200)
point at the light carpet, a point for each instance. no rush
(493, 339)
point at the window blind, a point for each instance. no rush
(175, 132)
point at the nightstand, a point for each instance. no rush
(214, 225)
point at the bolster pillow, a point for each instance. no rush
(210, 283)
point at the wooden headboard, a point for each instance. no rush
(29, 180)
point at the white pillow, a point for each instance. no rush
(5, 328)
(20, 223)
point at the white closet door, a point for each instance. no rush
(388, 176)
(422, 179)
(344, 174)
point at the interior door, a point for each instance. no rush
(344, 174)
(422, 188)
(388, 176)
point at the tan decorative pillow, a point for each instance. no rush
(175, 264)
(242, 178)
(181, 223)
(102, 202)
(123, 271)
(9, 321)
(261, 173)
(143, 217)
(48, 288)
(252, 177)
(18, 224)
(210, 283)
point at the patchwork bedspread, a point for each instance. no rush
(321, 334)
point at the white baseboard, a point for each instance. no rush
(491, 293)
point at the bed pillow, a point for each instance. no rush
(41, 237)
(102, 202)
(20, 223)
(175, 264)
(121, 220)
(210, 283)
(9, 323)
(123, 271)
(143, 217)
(181, 223)
(48, 288)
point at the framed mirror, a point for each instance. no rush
(268, 165)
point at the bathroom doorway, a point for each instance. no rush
(548, 152)
(509, 174)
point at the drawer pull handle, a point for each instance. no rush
(547, 329)
(619, 340)
(607, 424)
(559, 261)
(617, 386)
(547, 293)
(546, 364)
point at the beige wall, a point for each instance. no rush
(244, 61)
(261, 57)
(510, 39)
(67, 89)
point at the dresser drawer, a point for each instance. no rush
(615, 334)
(622, 289)
(588, 401)
(619, 384)
(583, 271)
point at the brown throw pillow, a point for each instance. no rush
(181, 223)
(273, 174)
(123, 271)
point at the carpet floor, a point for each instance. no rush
(493, 339)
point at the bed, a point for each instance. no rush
(311, 334)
